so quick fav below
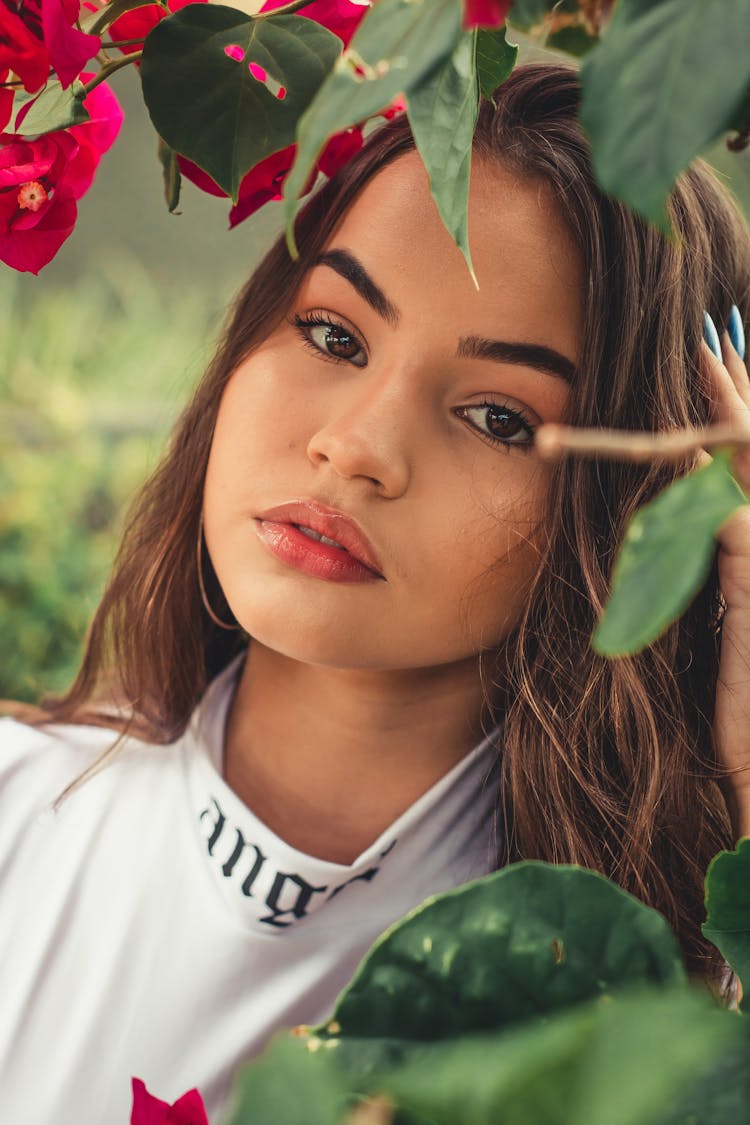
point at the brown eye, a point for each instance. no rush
(331, 339)
(337, 341)
(500, 424)
(504, 424)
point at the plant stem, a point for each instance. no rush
(124, 43)
(110, 68)
(554, 442)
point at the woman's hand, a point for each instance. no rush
(731, 387)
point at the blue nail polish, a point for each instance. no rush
(711, 336)
(736, 332)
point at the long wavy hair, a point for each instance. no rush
(608, 764)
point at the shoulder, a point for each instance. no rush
(38, 763)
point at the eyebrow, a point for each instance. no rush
(350, 268)
(525, 355)
(538, 356)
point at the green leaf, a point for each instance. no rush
(442, 113)
(53, 109)
(663, 83)
(521, 1076)
(574, 41)
(665, 558)
(727, 923)
(617, 1062)
(208, 106)
(495, 59)
(395, 47)
(721, 1095)
(518, 944)
(289, 1085)
(171, 175)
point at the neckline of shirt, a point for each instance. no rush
(270, 885)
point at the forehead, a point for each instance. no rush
(528, 267)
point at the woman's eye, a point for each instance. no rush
(501, 424)
(331, 339)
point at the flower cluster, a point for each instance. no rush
(47, 164)
(43, 176)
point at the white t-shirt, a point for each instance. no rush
(154, 927)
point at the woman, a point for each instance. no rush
(354, 487)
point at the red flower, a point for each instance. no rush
(69, 49)
(486, 13)
(41, 179)
(148, 1110)
(342, 17)
(138, 23)
(40, 34)
(21, 50)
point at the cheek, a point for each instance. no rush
(494, 570)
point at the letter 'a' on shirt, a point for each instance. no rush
(152, 926)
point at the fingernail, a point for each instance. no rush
(736, 332)
(711, 336)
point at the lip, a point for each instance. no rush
(277, 528)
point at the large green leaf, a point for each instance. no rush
(623, 1062)
(727, 923)
(520, 943)
(288, 1085)
(665, 557)
(442, 113)
(394, 49)
(664, 81)
(53, 109)
(722, 1095)
(209, 107)
(495, 59)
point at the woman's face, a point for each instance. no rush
(393, 411)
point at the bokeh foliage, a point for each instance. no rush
(91, 377)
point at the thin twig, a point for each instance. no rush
(124, 43)
(110, 68)
(553, 442)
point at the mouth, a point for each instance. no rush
(319, 540)
(308, 531)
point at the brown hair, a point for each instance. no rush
(605, 764)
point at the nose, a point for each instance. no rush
(366, 439)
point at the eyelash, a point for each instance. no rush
(322, 319)
(512, 413)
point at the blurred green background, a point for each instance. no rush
(97, 355)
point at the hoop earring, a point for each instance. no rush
(201, 586)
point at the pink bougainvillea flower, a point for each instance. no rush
(263, 183)
(148, 1110)
(69, 49)
(138, 23)
(6, 102)
(34, 222)
(340, 149)
(486, 13)
(94, 137)
(21, 50)
(42, 178)
(342, 17)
